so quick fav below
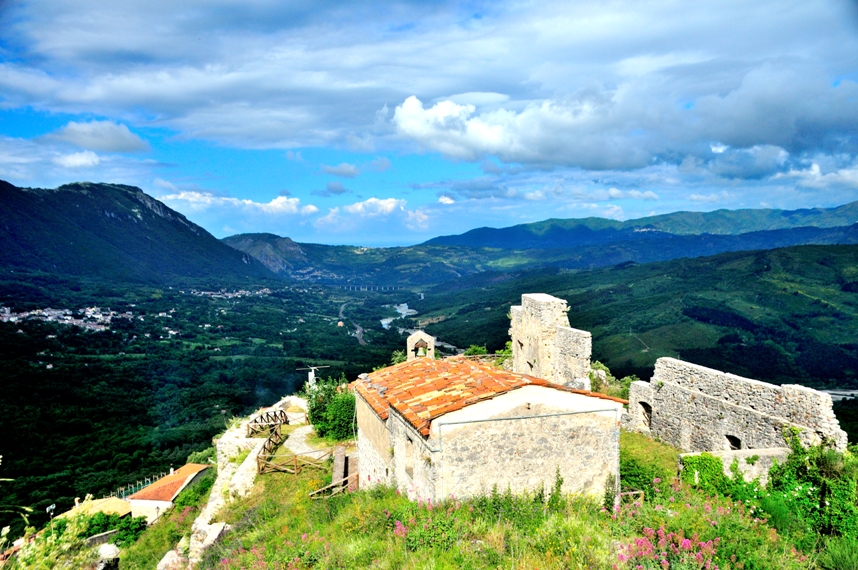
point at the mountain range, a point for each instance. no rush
(557, 233)
(118, 232)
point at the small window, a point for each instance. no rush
(409, 457)
(646, 412)
(734, 442)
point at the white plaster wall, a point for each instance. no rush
(557, 400)
(152, 510)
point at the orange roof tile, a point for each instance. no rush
(166, 488)
(423, 389)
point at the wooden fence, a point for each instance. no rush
(267, 421)
(350, 484)
(291, 463)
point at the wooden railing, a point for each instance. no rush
(349, 484)
(291, 463)
(267, 421)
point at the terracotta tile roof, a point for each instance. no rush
(108, 506)
(424, 388)
(166, 488)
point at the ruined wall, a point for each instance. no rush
(543, 344)
(751, 463)
(696, 408)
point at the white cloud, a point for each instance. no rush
(199, 201)
(105, 136)
(84, 159)
(375, 207)
(417, 220)
(708, 197)
(344, 170)
(615, 194)
(814, 177)
(446, 200)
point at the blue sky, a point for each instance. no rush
(388, 123)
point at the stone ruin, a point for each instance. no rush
(691, 407)
(698, 409)
(545, 346)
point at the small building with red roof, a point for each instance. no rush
(152, 501)
(458, 427)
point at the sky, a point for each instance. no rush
(388, 123)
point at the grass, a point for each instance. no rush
(313, 440)
(279, 526)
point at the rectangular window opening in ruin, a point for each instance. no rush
(734, 442)
(409, 457)
(646, 411)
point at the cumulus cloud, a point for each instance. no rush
(375, 206)
(445, 200)
(814, 177)
(343, 170)
(104, 136)
(85, 159)
(199, 200)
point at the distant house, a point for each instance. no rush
(152, 501)
(457, 427)
(108, 506)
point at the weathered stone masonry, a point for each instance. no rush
(699, 409)
(545, 346)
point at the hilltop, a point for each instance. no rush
(111, 231)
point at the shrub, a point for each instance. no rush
(202, 456)
(340, 417)
(841, 553)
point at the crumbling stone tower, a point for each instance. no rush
(545, 346)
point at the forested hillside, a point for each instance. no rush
(111, 231)
(786, 315)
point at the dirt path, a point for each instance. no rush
(297, 441)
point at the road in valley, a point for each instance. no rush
(358, 328)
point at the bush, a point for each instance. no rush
(331, 411)
(129, 528)
(340, 417)
(202, 456)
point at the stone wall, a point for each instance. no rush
(419, 482)
(526, 453)
(699, 409)
(751, 463)
(543, 344)
(373, 445)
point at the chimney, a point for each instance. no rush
(172, 470)
(77, 501)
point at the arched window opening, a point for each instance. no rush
(646, 411)
(734, 442)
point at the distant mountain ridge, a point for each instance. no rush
(566, 233)
(432, 263)
(111, 231)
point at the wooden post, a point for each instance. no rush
(295, 457)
